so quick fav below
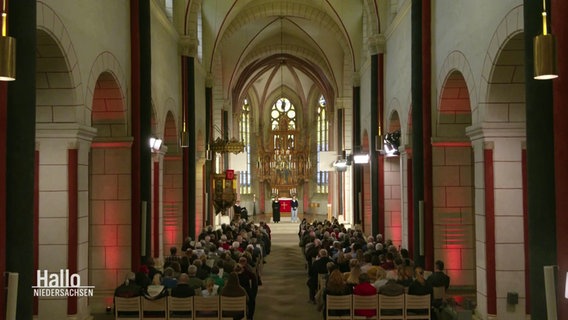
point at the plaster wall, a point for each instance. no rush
(398, 70)
(166, 68)
(469, 27)
(88, 37)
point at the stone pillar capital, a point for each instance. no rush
(188, 46)
(356, 79)
(377, 44)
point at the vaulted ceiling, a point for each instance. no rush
(257, 47)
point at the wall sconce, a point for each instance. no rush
(155, 144)
(544, 52)
(7, 51)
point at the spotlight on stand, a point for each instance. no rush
(155, 144)
(391, 142)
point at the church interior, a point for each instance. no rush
(130, 125)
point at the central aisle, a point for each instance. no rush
(284, 294)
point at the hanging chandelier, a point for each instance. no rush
(233, 145)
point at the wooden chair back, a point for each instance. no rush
(206, 308)
(365, 303)
(155, 309)
(335, 305)
(232, 305)
(417, 307)
(439, 293)
(180, 308)
(127, 308)
(391, 307)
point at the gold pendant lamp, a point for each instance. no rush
(7, 51)
(544, 52)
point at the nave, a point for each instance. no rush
(284, 294)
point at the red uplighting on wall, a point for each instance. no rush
(112, 257)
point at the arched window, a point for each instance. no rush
(285, 164)
(322, 133)
(244, 133)
(199, 36)
(283, 109)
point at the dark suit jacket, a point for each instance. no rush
(438, 279)
(182, 290)
(128, 291)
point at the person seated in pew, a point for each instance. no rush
(419, 287)
(438, 279)
(156, 290)
(211, 289)
(365, 288)
(183, 289)
(128, 289)
(335, 286)
(391, 288)
(233, 288)
(194, 282)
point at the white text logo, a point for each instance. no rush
(62, 284)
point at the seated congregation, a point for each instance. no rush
(219, 265)
(356, 272)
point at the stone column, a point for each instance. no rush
(64, 210)
(499, 217)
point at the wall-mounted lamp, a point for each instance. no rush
(361, 158)
(566, 287)
(544, 52)
(155, 144)
(342, 163)
(7, 51)
(346, 160)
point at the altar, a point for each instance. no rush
(285, 206)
